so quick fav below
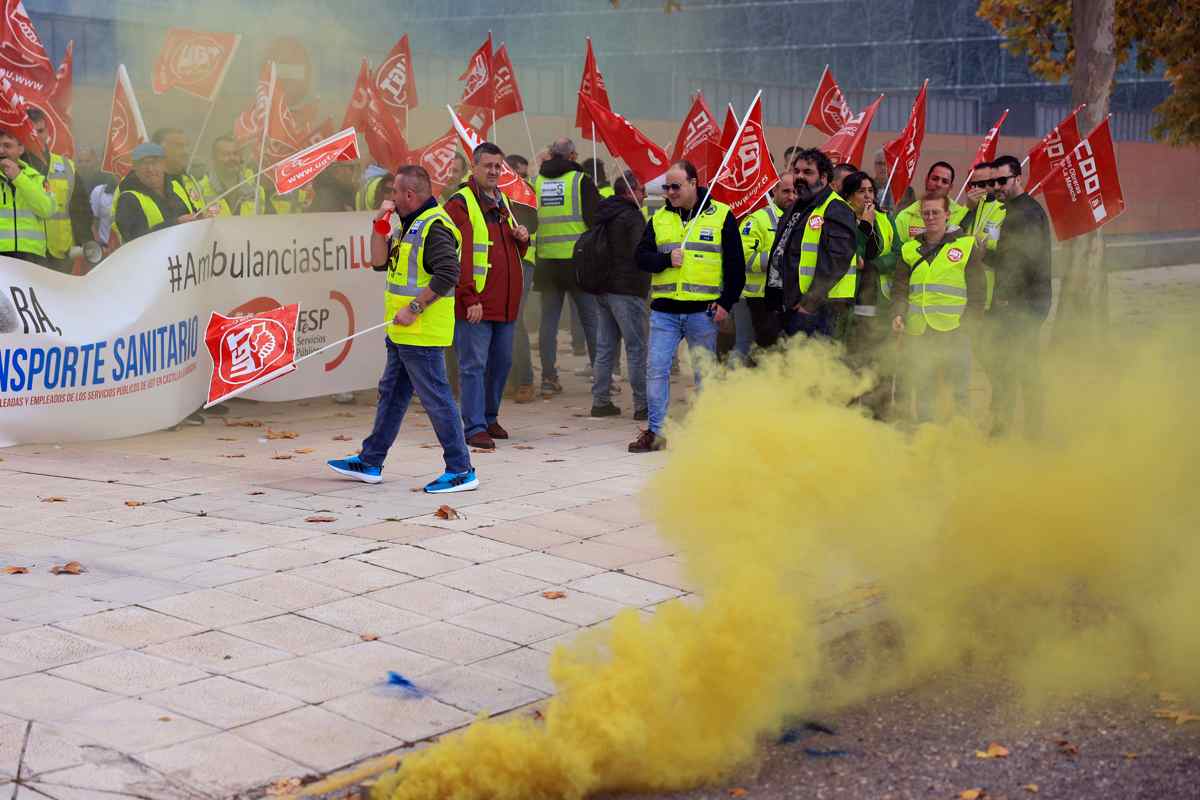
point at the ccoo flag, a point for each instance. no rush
(1047, 154)
(1085, 191)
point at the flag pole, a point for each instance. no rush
(720, 169)
(529, 133)
(811, 103)
(255, 177)
(342, 340)
(891, 175)
(262, 149)
(212, 103)
(595, 157)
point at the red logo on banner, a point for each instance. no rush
(437, 158)
(310, 162)
(816, 222)
(249, 351)
(508, 94)
(829, 112)
(193, 61)
(23, 59)
(394, 82)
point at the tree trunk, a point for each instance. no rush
(1083, 296)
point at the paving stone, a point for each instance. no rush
(608, 556)
(370, 662)
(361, 615)
(318, 738)
(222, 702)
(286, 591)
(524, 535)
(413, 560)
(46, 697)
(45, 647)
(490, 582)
(429, 599)
(351, 575)
(525, 666)
(294, 634)
(129, 672)
(131, 627)
(576, 607)
(450, 642)
(397, 713)
(217, 652)
(474, 690)
(132, 726)
(546, 567)
(214, 608)
(511, 623)
(306, 679)
(470, 547)
(625, 589)
(223, 764)
(39, 748)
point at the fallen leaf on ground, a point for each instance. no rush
(69, 568)
(1032, 788)
(417, 489)
(522, 447)
(554, 595)
(429, 446)
(1066, 748)
(368, 637)
(481, 450)
(281, 456)
(226, 438)
(255, 494)
(446, 512)
(243, 423)
(994, 750)
(555, 460)
(281, 434)
(971, 794)
(320, 518)
(54, 499)
(1130, 756)
(233, 455)
(283, 786)
(164, 719)
(738, 792)
(341, 437)
(303, 450)
(538, 714)
(16, 570)
(343, 414)
(164, 458)
(134, 503)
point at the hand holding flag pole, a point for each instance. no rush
(717, 175)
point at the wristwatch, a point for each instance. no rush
(416, 307)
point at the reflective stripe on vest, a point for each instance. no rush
(560, 214)
(188, 191)
(699, 278)
(480, 240)
(810, 245)
(362, 198)
(407, 278)
(60, 176)
(21, 229)
(937, 290)
(758, 232)
(224, 209)
(154, 215)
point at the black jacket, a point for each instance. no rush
(833, 258)
(1022, 259)
(624, 225)
(558, 273)
(129, 216)
(439, 256)
(733, 262)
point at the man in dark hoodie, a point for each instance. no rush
(810, 277)
(622, 312)
(567, 202)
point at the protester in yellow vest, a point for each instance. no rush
(693, 250)
(71, 222)
(225, 172)
(939, 285)
(758, 234)
(145, 202)
(25, 204)
(175, 145)
(984, 217)
(938, 181)
(811, 276)
(421, 259)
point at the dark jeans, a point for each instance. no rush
(522, 361)
(765, 322)
(423, 370)
(1010, 357)
(871, 345)
(829, 320)
(484, 358)
(621, 316)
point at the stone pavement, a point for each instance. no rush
(242, 605)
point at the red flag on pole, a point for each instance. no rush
(437, 158)
(249, 124)
(250, 351)
(749, 172)
(194, 62)
(510, 183)
(698, 138)
(507, 93)
(23, 59)
(395, 83)
(297, 170)
(64, 80)
(56, 106)
(591, 86)
(381, 129)
(478, 102)
(904, 152)
(1085, 191)
(284, 135)
(987, 148)
(848, 143)
(645, 158)
(14, 120)
(1049, 153)
(829, 111)
(126, 130)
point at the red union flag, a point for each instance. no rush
(23, 59)
(987, 148)
(698, 138)
(437, 158)
(395, 84)
(508, 94)
(848, 143)
(250, 351)
(645, 158)
(14, 119)
(749, 172)
(479, 90)
(510, 183)
(249, 124)
(904, 152)
(1085, 192)
(829, 111)
(126, 130)
(1047, 154)
(591, 86)
(382, 130)
(194, 61)
(295, 171)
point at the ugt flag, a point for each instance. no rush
(749, 172)
(645, 158)
(1085, 192)
(126, 130)
(698, 139)
(904, 152)
(395, 85)
(507, 93)
(23, 59)
(829, 111)
(297, 170)
(848, 143)
(510, 183)
(250, 351)
(194, 61)
(591, 86)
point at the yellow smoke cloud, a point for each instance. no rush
(1069, 564)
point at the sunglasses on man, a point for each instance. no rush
(672, 187)
(990, 182)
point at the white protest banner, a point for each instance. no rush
(120, 351)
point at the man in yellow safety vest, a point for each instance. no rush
(71, 222)
(25, 204)
(938, 181)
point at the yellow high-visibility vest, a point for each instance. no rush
(60, 177)
(699, 277)
(758, 232)
(937, 290)
(560, 214)
(480, 241)
(406, 278)
(810, 245)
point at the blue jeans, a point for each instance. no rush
(666, 331)
(620, 316)
(423, 370)
(552, 306)
(522, 356)
(484, 358)
(818, 323)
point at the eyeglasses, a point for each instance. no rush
(672, 187)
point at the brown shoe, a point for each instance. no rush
(481, 441)
(524, 394)
(647, 442)
(496, 432)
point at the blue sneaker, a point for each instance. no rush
(354, 467)
(453, 482)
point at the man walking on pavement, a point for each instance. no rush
(693, 250)
(422, 263)
(758, 234)
(567, 202)
(488, 297)
(811, 276)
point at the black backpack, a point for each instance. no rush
(593, 262)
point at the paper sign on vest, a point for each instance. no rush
(250, 351)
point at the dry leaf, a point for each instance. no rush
(341, 437)
(164, 719)
(243, 423)
(1032, 788)
(54, 499)
(320, 518)
(538, 715)
(283, 786)
(446, 512)
(738, 792)
(233, 455)
(522, 447)
(368, 637)
(281, 456)
(481, 451)
(69, 568)
(994, 750)
(1130, 756)
(16, 570)
(134, 503)
(303, 450)
(972, 794)
(555, 460)
(554, 595)
(226, 438)
(1066, 748)
(281, 434)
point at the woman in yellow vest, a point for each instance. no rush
(939, 281)
(422, 263)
